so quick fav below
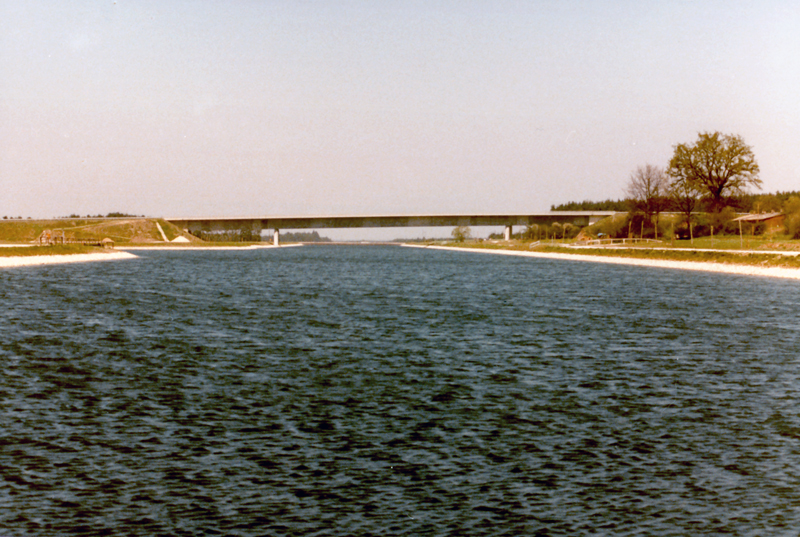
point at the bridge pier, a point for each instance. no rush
(276, 237)
(507, 233)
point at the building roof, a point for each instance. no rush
(757, 217)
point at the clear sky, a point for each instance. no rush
(193, 108)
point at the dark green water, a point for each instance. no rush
(392, 391)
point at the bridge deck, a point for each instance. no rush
(579, 218)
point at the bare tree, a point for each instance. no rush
(647, 191)
(684, 195)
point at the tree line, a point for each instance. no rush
(743, 203)
(254, 235)
(586, 205)
(303, 236)
(234, 235)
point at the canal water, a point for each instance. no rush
(392, 391)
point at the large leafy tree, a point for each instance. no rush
(717, 165)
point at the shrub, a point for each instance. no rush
(793, 226)
(461, 233)
(792, 222)
(612, 226)
(571, 231)
(723, 222)
(531, 232)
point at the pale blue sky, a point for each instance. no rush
(372, 107)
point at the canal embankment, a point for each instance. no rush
(751, 263)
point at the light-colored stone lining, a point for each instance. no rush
(196, 248)
(34, 260)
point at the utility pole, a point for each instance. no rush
(741, 239)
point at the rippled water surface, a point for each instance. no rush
(393, 391)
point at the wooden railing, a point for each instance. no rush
(609, 242)
(49, 238)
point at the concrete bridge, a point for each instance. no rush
(195, 225)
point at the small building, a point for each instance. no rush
(107, 243)
(773, 222)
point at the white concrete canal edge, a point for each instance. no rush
(724, 268)
(160, 248)
(35, 260)
(116, 255)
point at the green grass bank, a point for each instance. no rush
(120, 230)
(663, 251)
(65, 249)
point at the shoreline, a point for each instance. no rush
(118, 254)
(39, 260)
(196, 248)
(704, 266)
(167, 248)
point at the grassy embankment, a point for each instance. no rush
(120, 230)
(663, 251)
(730, 242)
(738, 250)
(123, 231)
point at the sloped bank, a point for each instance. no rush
(724, 268)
